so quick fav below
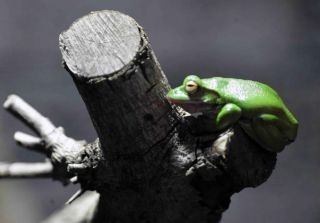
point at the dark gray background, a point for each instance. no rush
(273, 41)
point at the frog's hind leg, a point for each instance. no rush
(270, 132)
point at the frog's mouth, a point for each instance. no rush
(195, 106)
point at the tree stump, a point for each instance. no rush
(155, 169)
(152, 162)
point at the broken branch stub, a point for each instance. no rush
(122, 85)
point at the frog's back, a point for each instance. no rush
(253, 97)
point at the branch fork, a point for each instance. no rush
(50, 141)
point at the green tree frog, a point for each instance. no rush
(255, 106)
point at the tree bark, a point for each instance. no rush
(152, 162)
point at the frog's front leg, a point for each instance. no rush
(228, 115)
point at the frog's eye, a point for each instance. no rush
(191, 87)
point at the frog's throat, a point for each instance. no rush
(195, 107)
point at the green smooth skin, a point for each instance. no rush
(255, 106)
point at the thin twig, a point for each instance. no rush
(29, 142)
(25, 170)
(52, 140)
(27, 114)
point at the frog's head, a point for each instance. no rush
(195, 95)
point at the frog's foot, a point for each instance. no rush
(270, 132)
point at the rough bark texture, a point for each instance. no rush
(156, 164)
